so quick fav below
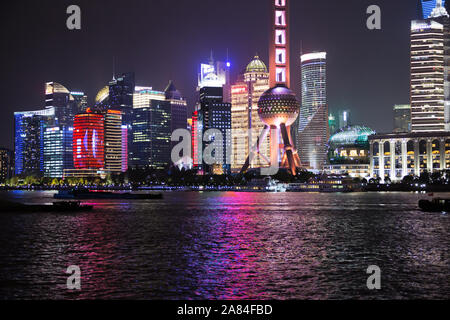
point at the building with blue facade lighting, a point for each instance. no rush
(427, 6)
(57, 151)
(29, 143)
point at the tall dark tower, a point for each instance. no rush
(278, 107)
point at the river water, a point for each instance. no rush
(228, 246)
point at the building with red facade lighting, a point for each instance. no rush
(195, 140)
(88, 141)
(99, 144)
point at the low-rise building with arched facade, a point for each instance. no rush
(396, 155)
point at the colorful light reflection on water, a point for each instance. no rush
(228, 246)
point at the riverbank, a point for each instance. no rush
(364, 188)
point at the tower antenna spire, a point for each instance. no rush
(114, 68)
(211, 59)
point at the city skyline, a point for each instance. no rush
(350, 90)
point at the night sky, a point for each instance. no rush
(368, 71)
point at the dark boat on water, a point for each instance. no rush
(89, 194)
(64, 206)
(435, 205)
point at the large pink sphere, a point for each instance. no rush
(278, 105)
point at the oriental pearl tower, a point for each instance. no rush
(278, 107)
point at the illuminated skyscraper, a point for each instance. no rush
(244, 114)
(124, 148)
(216, 74)
(102, 98)
(120, 97)
(178, 107)
(430, 86)
(6, 164)
(313, 124)
(66, 106)
(58, 136)
(113, 141)
(29, 133)
(214, 113)
(344, 119)
(151, 129)
(195, 140)
(88, 141)
(81, 103)
(57, 151)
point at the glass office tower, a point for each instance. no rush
(29, 142)
(151, 130)
(430, 88)
(313, 131)
(57, 151)
(120, 97)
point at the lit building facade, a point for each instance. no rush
(60, 99)
(196, 153)
(332, 124)
(245, 122)
(178, 107)
(216, 74)
(58, 147)
(124, 130)
(88, 141)
(213, 113)
(348, 152)
(430, 86)
(113, 141)
(397, 155)
(81, 103)
(313, 131)
(428, 6)
(344, 119)
(57, 151)
(6, 164)
(151, 130)
(120, 97)
(29, 132)
(402, 118)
